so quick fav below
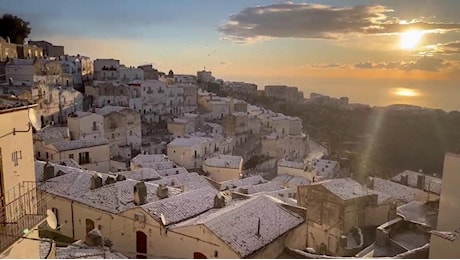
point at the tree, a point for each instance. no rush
(14, 28)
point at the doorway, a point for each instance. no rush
(141, 245)
(198, 255)
(89, 225)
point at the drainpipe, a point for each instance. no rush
(73, 222)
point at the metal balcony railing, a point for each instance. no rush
(25, 208)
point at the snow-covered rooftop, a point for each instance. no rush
(419, 212)
(118, 197)
(288, 196)
(291, 164)
(347, 189)
(224, 161)
(189, 142)
(186, 181)
(237, 224)
(80, 250)
(78, 144)
(80, 114)
(264, 187)
(50, 133)
(141, 174)
(396, 190)
(144, 159)
(184, 206)
(109, 109)
(432, 184)
(289, 180)
(233, 184)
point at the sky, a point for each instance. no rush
(375, 52)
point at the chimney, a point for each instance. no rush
(244, 190)
(258, 228)
(110, 180)
(162, 191)
(96, 182)
(421, 181)
(219, 201)
(404, 179)
(48, 171)
(140, 193)
(120, 177)
(370, 183)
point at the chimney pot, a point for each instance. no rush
(110, 180)
(140, 193)
(48, 171)
(96, 182)
(219, 201)
(162, 191)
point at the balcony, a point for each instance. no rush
(22, 212)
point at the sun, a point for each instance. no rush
(405, 92)
(410, 39)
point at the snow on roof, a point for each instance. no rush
(182, 120)
(347, 188)
(286, 179)
(189, 181)
(291, 164)
(109, 109)
(80, 114)
(142, 159)
(237, 114)
(78, 144)
(82, 251)
(171, 171)
(232, 184)
(432, 184)
(264, 187)
(189, 142)
(184, 206)
(141, 174)
(224, 161)
(288, 196)
(237, 224)
(396, 190)
(52, 132)
(118, 197)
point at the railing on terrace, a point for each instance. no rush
(25, 208)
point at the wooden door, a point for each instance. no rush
(141, 245)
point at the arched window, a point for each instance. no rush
(198, 255)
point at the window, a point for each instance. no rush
(89, 225)
(113, 136)
(83, 158)
(94, 126)
(71, 156)
(130, 132)
(38, 154)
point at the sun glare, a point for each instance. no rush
(410, 39)
(405, 92)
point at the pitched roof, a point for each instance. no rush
(264, 187)
(184, 206)
(78, 144)
(188, 180)
(237, 224)
(141, 174)
(232, 184)
(52, 132)
(451, 236)
(432, 184)
(224, 161)
(347, 189)
(109, 109)
(396, 190)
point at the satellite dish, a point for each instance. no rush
(163, 219)
(34, 120)
(51, 219)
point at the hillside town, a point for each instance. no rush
(103, 160)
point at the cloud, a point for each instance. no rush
(444, 48)
(315, 21)
(426, 63)
(328, 65)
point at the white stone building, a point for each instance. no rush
(122, 127)
(223, 167)
(106, 69)
(85, 125)
(191, 152)
(126, 74)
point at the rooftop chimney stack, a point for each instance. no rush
(421, 181)
(162, 191)
(405, 179)
(48, 171)
(110, 180)
(96, 182)
(219, 201)
(140, 193)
